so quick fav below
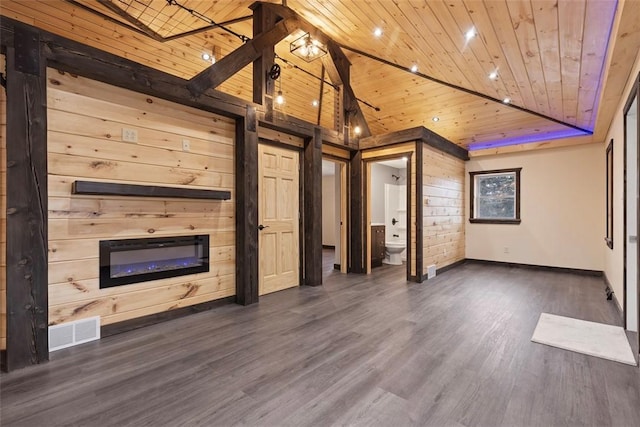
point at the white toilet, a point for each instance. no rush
(393, 252)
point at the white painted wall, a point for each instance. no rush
(562, 210)
(328, 210)
(614, 259)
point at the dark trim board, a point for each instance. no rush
(450, 267)
(419, 185)
(328, 247)
(596, 273)
(614, 298)
(116, 189)
(417, 134)
(422, 277)
(152, 319)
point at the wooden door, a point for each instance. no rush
(278, 216)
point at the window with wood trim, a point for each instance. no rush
(495, 196)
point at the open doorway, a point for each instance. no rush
(631, 218)
(334, 215)
(388, 213)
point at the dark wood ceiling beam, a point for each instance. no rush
(353, 112)
(337, 69)
(418, 133)
(226, 67)
(320, 96)
(263, 86)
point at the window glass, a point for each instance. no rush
(495, 196)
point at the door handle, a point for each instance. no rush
(262, 227)
(633, 239)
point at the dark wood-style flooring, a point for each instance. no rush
(360, 350)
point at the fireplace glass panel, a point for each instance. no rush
(139, 260)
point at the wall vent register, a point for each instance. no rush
(139, 260)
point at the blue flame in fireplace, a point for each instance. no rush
(124, 270)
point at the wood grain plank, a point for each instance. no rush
(525, 29)
(571, 17)
(87, 167)
(141, 299)
(61, 85)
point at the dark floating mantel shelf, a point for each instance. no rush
(112, 189)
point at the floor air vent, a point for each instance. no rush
(431, 271)
(73, 333)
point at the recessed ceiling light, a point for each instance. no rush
(507, 100)
(206, 56)
(493, 75)
(357, 130)
(377, 32)
(315, 103)
(414, 68)
(436, 119)
(470, 34)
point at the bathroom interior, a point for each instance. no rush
(388, 211)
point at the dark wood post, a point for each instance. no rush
(419, 213)
(247, 208)
(27, 280)
(356, 214)
(263, 87)
(313, 209)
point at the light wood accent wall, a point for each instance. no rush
(331, 150)
(85, 120)
(3, 214)
(399, 149)
(443, 209)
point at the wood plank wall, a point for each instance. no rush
(399, 150)
(84, 142)
(3, 213)
(443, 209)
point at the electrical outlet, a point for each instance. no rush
(129, 135)
(186, 145)
(506, 249)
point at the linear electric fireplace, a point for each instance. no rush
(140, 260)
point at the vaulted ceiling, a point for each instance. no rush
(563, 64)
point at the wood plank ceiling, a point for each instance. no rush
(550, 57)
